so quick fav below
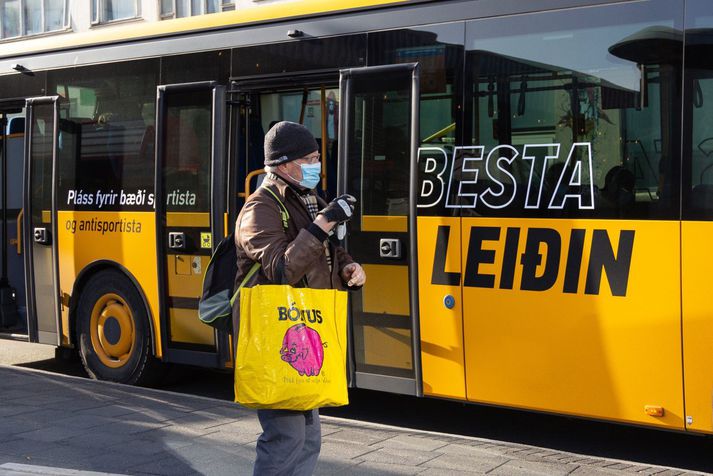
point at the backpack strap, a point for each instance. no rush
(247, 277)
(283, 212)
(285, 219)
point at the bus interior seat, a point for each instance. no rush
(619, 188)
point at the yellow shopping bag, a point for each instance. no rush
(291, 352)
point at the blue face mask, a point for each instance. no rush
(310, 175)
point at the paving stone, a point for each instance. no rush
(480, 464)
(620, 466)
(594, 471)
(51, 433)
(345, 451)
(363, 437)
(32, 469)
(411, 443)
(456, 449)
(373, 468)
(232, 437)
(170, 466)
(26, 449)
(108, 410)
(389, 455)
(85, 422)
(519, 467)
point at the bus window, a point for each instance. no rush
(111, 118)
(573, 134)
(698, 112)
(438, 49)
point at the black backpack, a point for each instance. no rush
(215, 306)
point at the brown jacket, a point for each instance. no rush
(288, 255)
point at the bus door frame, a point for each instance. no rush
(347, 76)
(9, 106)
(222, 355)
(241, 89)
(31, 238)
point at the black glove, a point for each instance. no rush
(340, 209)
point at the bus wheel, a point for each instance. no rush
(113, 331)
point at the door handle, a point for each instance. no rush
(177, 240)
(390, 248)
(41, 235)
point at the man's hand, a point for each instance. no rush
(340, 209)
(353, 274)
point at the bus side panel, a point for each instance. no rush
(574, 316)
(128, 238)
(697, 256)
(442, 358)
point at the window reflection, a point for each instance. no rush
(107, 133)
(582, 118)
(438, 50)
(698, 113)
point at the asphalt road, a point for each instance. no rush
(593, 438)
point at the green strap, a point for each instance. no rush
(285, 217)
(250, 274)
(285, 214)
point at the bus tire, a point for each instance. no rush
(113, 331)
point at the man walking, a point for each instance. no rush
(286, 227)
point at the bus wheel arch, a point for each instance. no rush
(112, 326)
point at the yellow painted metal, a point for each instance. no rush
(394, 224)
(182, 265)
(135, 31)
(438, 134)
(46, 216)
(19, 231)
(188, 220)
(112, 307)
(248, 178)
(186, 328)
(325, 138)
(388, 347)
(81, 241)
(600, 355)
(183, 279)
(386, 289)
(442, 355)
(697, 263)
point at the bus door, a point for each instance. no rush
(190, 215)
(12, 277)
(377, 155)
(308, 99)
(40, 230)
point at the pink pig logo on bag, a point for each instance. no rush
(302, 349)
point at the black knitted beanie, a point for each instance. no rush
(287, 141)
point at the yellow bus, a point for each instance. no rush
(535, 186)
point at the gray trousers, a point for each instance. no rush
(289, 444)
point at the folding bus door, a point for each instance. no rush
(378, 133)
(40, 229)
(190, 215)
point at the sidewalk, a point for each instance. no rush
(57, 425)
